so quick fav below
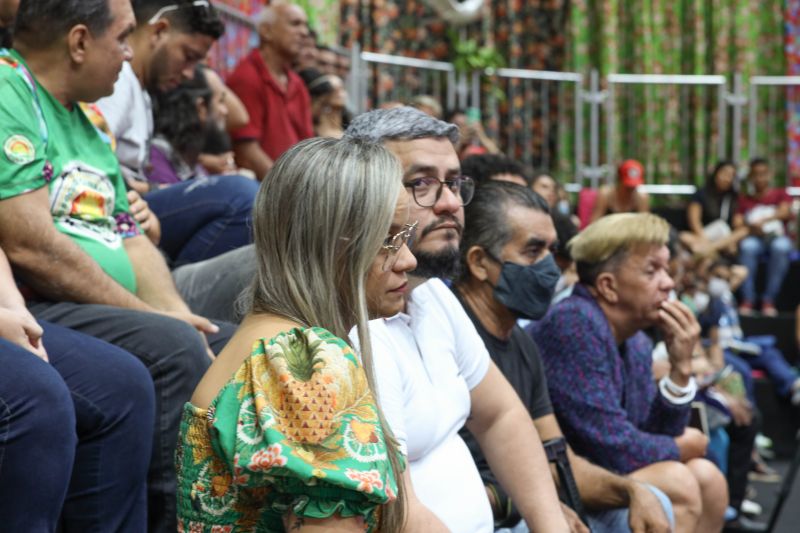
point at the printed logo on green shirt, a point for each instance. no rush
(19, 149)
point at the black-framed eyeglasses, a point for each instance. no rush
(392, 245)
(174, 7)
(427, 190)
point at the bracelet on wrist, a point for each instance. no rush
(676, 394)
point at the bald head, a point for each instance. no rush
(282, 28)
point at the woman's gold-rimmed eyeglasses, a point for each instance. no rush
(391, 246)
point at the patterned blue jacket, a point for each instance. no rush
(604, 396)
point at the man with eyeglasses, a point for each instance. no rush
(433, 371)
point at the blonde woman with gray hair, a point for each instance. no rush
(284, 432)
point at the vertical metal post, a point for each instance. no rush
(737, 116)
(683, 143)
(545, 95)
(463, 90)
(511, 144)
(752, 122)
(354, 87)
(451, 89)
(610, 110)
(475, 90)
(772, 117)
(721, 121)
(579, 132)
(437, 85)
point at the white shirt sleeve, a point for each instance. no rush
(470, 353)
(388, 380)
(116, 107)
(129, 115)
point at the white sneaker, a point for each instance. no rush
(749, 507)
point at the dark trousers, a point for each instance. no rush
(176, 358)
(742, 440)
(204, 217)
(92, 407)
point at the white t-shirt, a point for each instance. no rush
(129, 114)
(426, 362)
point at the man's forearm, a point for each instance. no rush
(10, 298)
(513, 450)
(61, 271)
(599, 488)
(49, 262)
(251, 156)
(154, 284)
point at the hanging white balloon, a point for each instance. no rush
(456, 12)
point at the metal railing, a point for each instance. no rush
(547, 131)
(376, 79)
(563, 102)
(767, 128)
(678, 100)
(595, 149)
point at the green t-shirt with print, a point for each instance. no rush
(42, 143)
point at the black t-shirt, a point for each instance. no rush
(715, 207)
(519, 361)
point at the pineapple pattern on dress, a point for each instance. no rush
(309, 399)
(296, 428)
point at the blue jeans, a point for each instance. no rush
(212, 288)
(204, 217)
(175, 356)
(610, 521)
(771, 361)
(75, 436)
(750, 251)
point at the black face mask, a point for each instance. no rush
(528, 289)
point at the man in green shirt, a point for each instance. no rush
(64, 217)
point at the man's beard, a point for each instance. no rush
(441, 264)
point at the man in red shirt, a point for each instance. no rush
(764, 211)
(275, 97)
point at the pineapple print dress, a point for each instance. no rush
(295, 429)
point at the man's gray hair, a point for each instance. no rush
(399, 124)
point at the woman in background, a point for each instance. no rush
(328, 103)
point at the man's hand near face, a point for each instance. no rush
(681, 333)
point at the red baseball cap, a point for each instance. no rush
(631, 173)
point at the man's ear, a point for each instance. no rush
(265, 32)
(476, 259)
(202, 109)
(78, 41)
(158, 30)
(607, 287)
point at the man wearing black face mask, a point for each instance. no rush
(508, 273)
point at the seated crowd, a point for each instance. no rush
(250, 310)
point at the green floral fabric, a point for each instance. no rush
(295, 430)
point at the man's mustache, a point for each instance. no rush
(449, 219)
